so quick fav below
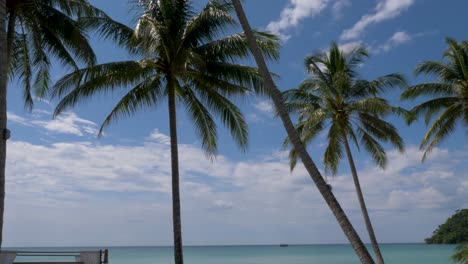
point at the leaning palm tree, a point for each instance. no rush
(185, 59)
(38, 32)
(333, 98)
(448, 95)
(296, 141)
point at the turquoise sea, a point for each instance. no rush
(293, 254)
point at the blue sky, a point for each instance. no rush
(65, 186)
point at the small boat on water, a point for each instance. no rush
(284, 245)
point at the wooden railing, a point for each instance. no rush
(103, 255)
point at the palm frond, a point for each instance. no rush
(381, 130)
(144, 95)
(334, 150)
(98, 79)
(235, 47)
(227, 112)
(438, 69)
(69, 32)
(428, 89)
(442, 127)
(205, 126)
(431, 107)
(108, 29)
(374, 148)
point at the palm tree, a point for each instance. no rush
(184, 60)
(333, 98)
(3, 111)
(38, 31)
(448, 95)
(461, 254)
(297, 143)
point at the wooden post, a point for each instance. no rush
(106, 256)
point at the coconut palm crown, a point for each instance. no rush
(184, 57)
(448, 95)
(182, 53)
(334, 99)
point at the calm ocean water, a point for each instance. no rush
(294, 254)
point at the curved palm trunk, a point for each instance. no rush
(299, 146)
(3, 111)
(176, 219)
(362, 203)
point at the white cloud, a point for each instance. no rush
(294, 13)
(397, 39)
(160, 137)
(264, 106)
(73, 181)
(426, 198)
(222, 205)
(385, 10)
(66, 123)
(18, 119)
(350, 46)
(339, 6)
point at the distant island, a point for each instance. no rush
(453, 231)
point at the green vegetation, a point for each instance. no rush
(334, 99)
(448, 95)
(453, 231)
(461, 254)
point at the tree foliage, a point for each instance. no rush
(336, 100)
(41, 32)
(453, 231)
(461, 254)
(448, 95)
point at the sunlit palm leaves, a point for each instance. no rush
(333, 98)
(448, 96)
(180, 45)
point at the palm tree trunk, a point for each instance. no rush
(3, 111)
(299, 146)
(10, 35)
(176, 219)
(362, 203)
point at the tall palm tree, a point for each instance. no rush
(184, 59)
(299, 146)
(333, 98)
(448, 95)
(37, 32)
(3, 111)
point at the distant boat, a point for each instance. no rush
(284, 245)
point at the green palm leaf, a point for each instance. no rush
(448, 95)
(349, 109)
